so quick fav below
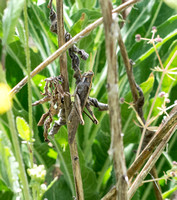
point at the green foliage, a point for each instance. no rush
(9, 172)
(10, 19)
(23, 129)
(93, 140)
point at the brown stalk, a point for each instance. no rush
(156, 185)
(151, 162)
(67, 45)
(111, 195)
(67, 102)
(116, 150)
(138, 103)
(128, 68)
(164, 128)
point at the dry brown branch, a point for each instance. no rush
(151, 162)
(116, 150)
(67, 45)
(159, 141)
(128, 68)
(67, 102)
(164, 128)
(111, 195)
(156, 185)
(138, 99)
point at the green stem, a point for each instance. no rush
(169, 192)
(34, 193)
(38, 193)
(16, 146)
(28, 64)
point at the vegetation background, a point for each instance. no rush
(93, 140)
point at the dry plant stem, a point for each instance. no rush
(61, 42)
(133, 89)
(76, 171)
(67, 102)
(161, 132)
(152, 180)
(128, 67)
(67, 45)
(132, 85)
(151, 162)
(149, 115)
(134, 92)
(153, 103)
(110, 26)
(111, 195)
(157, 188)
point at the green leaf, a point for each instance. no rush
(101, 160)
(168, 81)
(100, 149)
(8, 165)
(139, 15)
(59, 191)
(91, 14)
(171, 3)
(21, 31)
(167, 31)
(79, 4)
(169, 192)
(23, 129)
(90, 4)
(10, 19)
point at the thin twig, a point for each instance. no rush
(116, 149)
(151, 162)
(67, 45)
(67, 103)
(128, 68)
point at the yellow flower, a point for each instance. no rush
(5, 98)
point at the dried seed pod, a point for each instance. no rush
(53, 93)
